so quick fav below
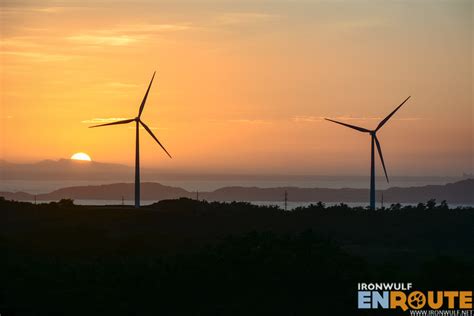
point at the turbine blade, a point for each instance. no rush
(146, 96)
(114, 123)
(379, 149)
(153, 135)
(390, 115)
(360, 129)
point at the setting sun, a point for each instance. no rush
(81, 156)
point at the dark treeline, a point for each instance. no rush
(187, 257)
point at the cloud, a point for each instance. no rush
(121, 85)
(50, 9)
(232, 18)
(250, 121)
(18, 42)
(411, 119)
(151, 127)
(356, 118)
(240, 121)
(105, 120)
(117, 89)
(32, 48)
(37, 48)
(149, 28)
(23, 9)
(360, 24)
(39, 56)
(90, 39)
(311, 119)
(123, 35)
(306, 119)
(374, 118)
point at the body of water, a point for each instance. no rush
(335, 182)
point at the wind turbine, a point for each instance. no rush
(138, 121)
(373, 136)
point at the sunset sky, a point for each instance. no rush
(241, 86)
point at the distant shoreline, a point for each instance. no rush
(281, 204)
(458, 193)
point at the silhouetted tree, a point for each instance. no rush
(431, 204)
(443, 205)
(395, 207)
(66, 203)
(420, 206)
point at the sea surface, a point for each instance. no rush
(192, 185)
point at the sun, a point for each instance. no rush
(81, 156)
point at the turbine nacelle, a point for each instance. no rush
(138, 120)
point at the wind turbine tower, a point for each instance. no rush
(138, 122)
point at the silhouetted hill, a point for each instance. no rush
(64, 169)
(72, 170)
(459, 193)
(294, 194)
(149, 191)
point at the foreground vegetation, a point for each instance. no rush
(184, 257)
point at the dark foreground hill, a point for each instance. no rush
(461, 192)
(183, 257)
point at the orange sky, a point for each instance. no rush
(241, 86)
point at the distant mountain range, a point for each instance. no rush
(67, 169)
(461, 192)
(64, 169)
